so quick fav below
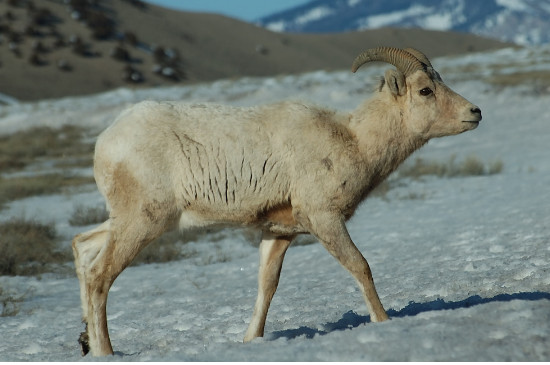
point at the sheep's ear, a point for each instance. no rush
(396, 82)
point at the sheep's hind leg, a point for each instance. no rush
(86, 246)
(124, 241)
(272, 253)
(331, 231)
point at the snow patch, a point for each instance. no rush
(25, 325)
(497, 334)
(515, 5)
(378, 21)
(32, 349)
(314, 14)
(439, 21)
(525, 273)
(521, 21)
(223, 311)
(279, 26)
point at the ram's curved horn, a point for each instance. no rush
(421, 56)
(404, 61)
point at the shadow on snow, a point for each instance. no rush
(352, 319)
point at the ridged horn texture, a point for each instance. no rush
(421, 56)
(402, 60)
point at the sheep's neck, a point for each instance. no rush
(383, 140)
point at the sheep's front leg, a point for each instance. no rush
(272, 253)
(331, 231)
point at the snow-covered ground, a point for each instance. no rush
(461, 264)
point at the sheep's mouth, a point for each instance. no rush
(473, 122)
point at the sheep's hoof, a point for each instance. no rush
(83, 340)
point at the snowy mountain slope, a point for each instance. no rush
(461, 264)
(520, 21)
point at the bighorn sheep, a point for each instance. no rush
(288, 168)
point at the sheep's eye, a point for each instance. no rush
(426, 91)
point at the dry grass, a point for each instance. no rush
(67, 146)
(23, 148)
(29, 248)
(85, 216)
(539, 79)
(23, 187)
(169, 247)
(470, 166)
(172, 246)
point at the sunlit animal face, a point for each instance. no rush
(430, 108)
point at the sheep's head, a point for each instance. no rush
(428, 106)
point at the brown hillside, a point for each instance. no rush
(39, 57)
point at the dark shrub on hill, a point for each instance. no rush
(101, 25)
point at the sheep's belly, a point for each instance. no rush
(193, 220)
(277, 220)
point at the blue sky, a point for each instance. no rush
(247, 10)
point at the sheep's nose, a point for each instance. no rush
(475, 110)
